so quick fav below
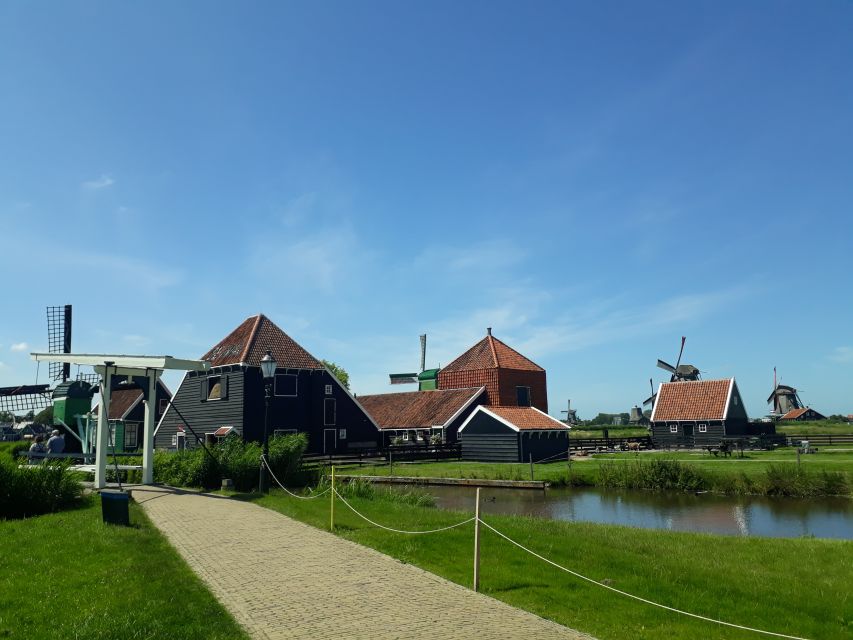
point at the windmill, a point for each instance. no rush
(571, 414)
(679, 373)
(783, 398)
(36, 397)
(411, 378)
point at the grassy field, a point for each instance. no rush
(585, 470)
(794, 586)
(67, 575)
(821, 426)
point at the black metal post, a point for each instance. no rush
(263, 483)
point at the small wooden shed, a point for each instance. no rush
(512, 434)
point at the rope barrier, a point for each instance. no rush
(376, 524)
(630, 595)
(317, 495)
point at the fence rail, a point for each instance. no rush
(644, 442)
(819, 438)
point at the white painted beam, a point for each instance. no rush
(119, 360)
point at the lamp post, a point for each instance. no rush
(268, 365)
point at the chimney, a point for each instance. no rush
(488, 331)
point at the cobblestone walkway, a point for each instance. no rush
(283, 579)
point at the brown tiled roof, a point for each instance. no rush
(527, 418)
(248, 343)
(491, 353)
(692, 400)
(121, 400)
(416, 409)
(793, 414)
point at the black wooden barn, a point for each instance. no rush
(229, 398)
(696, 413)
(512, 434)
(803, 414)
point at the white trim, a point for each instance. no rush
(655, 402)
(494, 415)
(562, 425)
(351, 396)
(462, 408)
(700, 429)
(729, 398)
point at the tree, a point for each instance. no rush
(45, 416)
(339, 372)
(7, 416)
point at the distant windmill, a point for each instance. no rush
(571, 414)
(783, 398)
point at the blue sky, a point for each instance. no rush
(593, 180)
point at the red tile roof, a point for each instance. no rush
(123, 400)
(526, 418)
(248, 343)
(491, 353)
(793, 414)
(416, 409)
(692, 400)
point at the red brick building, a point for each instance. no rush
(510, 379)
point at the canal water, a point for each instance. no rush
(708, 513)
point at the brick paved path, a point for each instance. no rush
(284, 579)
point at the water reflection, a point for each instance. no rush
(742, 516)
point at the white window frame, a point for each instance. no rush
(180, 435)
(703, 428)
(328, 389)
(405, 436)
(286, 395)
(174, 439)
(342, 434)
(218, 378)
(673, 428)
(334, 417)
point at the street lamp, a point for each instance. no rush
(268, 365)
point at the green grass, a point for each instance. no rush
(67, 575)
(795, 586)
(821, 426)
(735, 475)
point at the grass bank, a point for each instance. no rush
(828, 472)
(799, 586)
(68, 575)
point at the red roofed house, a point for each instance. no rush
(419, 415)
(512, 434)
(803, 414)
(510, 379)
(698, 413)
(229, 398)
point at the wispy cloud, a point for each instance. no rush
(844, 355)
(489, 256)
(101, 182)
(19, 346)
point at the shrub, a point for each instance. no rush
(36, 489)
(651, 475)
(233, 458)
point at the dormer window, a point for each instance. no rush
(523, 396)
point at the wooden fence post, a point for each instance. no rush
(332, 499)
(530, 457)
(477, 543)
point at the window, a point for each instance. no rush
(284, 432)
(285, 384)
(329, 411)
(405, 436)
(342, 434)
(175, 440)
(735, 398)
(164, 402)
(180, 440)
(523, 396)
(131, 432)
(216, 388)
(703, 428)
(328, 389)
(673, 428)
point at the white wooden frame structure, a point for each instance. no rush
(108, 365)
